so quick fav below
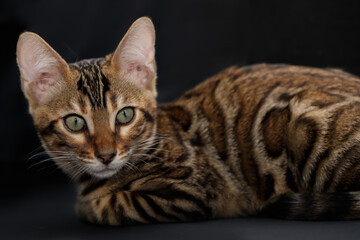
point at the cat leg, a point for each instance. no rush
(131, 207)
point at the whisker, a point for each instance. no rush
(53, 152)
(80, 171)
(47, 167)
(132, 167)
(35, 150)
(46, 160)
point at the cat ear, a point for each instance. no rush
(42, 69)
(135, 54)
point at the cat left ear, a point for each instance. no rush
(135, 54)
(42, 68)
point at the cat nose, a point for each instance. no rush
(106, 158)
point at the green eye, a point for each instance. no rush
(75, 123)
(125, 115)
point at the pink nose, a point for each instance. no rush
(106, 158)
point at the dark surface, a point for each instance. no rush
(195, 39)
(47, 214)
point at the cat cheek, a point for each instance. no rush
(125, 148)
(85, 154)
(124, 131)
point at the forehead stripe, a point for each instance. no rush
(92, 82)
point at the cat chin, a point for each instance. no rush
(105, 173)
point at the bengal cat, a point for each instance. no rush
(272, 140)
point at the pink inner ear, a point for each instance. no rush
(145, 76)
(41, 88)
(42, 69)
(141, 73)
(46, 80)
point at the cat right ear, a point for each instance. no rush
(42, 69)
(135, 54)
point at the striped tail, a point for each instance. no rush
(315, 206)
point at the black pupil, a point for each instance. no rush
(124, 113)
(76, 121)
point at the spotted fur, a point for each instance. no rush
(275, 140)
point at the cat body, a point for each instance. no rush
(275, 140)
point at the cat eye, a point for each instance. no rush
(74, 123)
(125, 115)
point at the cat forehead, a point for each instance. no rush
(92, 82)
(89, 65)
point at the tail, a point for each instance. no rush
(315, 206)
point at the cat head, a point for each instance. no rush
(94, 116)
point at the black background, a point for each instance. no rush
(195, 39)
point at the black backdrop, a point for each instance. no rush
(195, 39)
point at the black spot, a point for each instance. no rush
(193, 215)
(113, 200)
(104, 216)
(185, 154)
(62, 144)
(84, 178)
(179, 115)
(84, 90)
(268, 186)
(319, 159)
(182, 157)
(274, 129)
(191, 94)
(208, 180)
(106, 87)
(197, 140)
(249, 166)
(350, 156)
(158, 210)
(351, 131)
(290, 180)
(178, 172)
(141, 211)
(213, 113)
(122, 219)
(310, 127)
(127, 200)
(49, 130)
(147, 115)
(349, 182)
(313, 206)
(170, 193)
(285, 97)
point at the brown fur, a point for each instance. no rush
(239, 143)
